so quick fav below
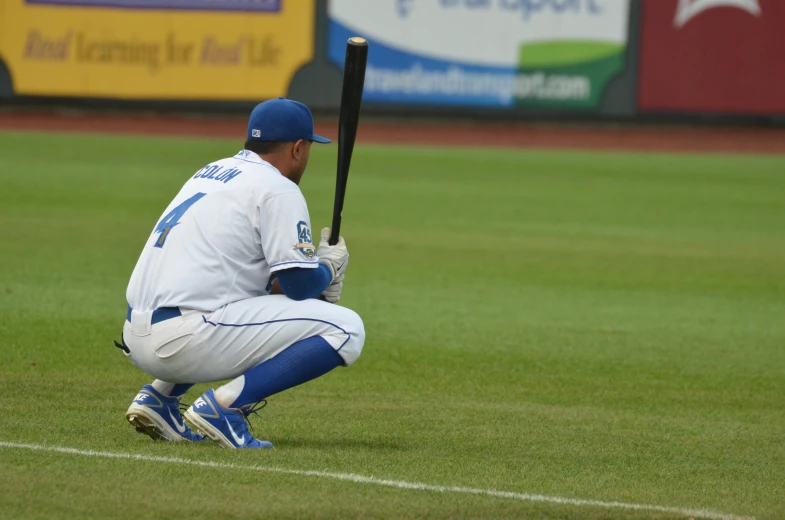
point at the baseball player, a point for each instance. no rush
(228, 286)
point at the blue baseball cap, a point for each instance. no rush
(282, 120)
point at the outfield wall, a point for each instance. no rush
(511, 59)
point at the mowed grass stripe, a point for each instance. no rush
(598, 325)
(399, 484)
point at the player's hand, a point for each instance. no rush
(333, 292)
(335, 257)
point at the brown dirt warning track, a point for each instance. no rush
(580, 137)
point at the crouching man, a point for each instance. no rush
(230, 286)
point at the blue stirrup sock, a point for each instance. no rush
(171, 389)
(298, 364)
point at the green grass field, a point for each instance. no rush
(593, 326)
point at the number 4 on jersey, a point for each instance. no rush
(173, 218)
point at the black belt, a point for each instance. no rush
(159, 315)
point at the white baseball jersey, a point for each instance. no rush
(233, 224)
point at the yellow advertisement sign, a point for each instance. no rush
(156, 49)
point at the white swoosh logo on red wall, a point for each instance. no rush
(689, 9)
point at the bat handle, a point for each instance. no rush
(335, 231)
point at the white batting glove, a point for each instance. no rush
(335, 257)
(333, 292)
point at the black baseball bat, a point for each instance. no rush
(349, 119)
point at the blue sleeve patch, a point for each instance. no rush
(304, 240)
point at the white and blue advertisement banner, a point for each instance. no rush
(487, 53)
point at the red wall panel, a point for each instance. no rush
(721, 56)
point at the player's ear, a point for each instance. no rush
(298, 149)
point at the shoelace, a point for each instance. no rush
(253, 409)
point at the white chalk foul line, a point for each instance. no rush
(400, 484)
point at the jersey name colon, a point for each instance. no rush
(233, 224)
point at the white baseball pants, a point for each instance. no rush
(200, 347)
